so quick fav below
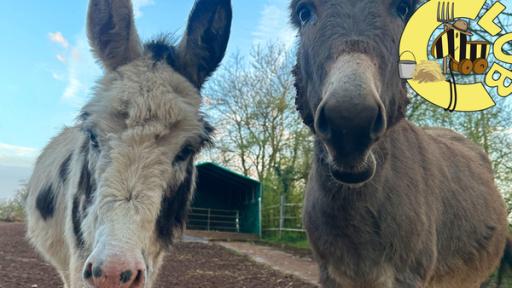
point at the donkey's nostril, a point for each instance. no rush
(379, 125)
(322, 123)
(88, 271)
(126, 276)
(96, 272)
(139, 279)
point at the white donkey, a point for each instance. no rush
(107, 194)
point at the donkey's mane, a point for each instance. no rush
(162, 48)
(301, 104)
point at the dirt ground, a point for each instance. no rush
(303, 267)
(194, 265)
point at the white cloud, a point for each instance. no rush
(57, 76)
(61, 58)
(139, 4)
(274, 25)
(81, 68)
(73, 86)
(82, 72)
(17, 156)
(58, 38)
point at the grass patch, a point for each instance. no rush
(12, 210)
(287, 240)
(295, 243)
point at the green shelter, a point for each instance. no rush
(225, 201)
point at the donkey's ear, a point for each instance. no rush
(111, 31)
(206, 38)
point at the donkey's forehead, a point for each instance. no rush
(143, 92)
(337, 11)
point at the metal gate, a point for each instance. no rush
(213, 220)
(285, 217)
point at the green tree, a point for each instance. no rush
(258, 130)
(13, 209)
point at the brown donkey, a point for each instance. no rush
(388, 204)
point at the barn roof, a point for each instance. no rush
(226, 175)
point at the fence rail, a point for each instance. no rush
(214, 219)
(284, 217)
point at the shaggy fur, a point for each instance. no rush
(122, 178)
(431, 215)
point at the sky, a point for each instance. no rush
(48, 70)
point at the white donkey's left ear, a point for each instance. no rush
(204, 44)
(112, 33)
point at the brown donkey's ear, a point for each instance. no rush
(204, 43)
(111, 31)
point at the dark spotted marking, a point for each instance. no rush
(174, 207)
(45, 202)
(189, 149)
(64, 169)
(83, 198)
(126, 276)
(184, 154)
(86, 185)
(76, 220)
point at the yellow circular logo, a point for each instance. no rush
(454, 50)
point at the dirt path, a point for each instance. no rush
(193, 265)
(302, 267)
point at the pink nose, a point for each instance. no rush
(115, 274)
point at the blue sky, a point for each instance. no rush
(48, 69)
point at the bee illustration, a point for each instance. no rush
(455, 47)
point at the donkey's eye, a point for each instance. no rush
(305, 13)
(93, 139)
(403, 9)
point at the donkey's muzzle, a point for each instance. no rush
(348, 128)
(115, 271)
(351, 116)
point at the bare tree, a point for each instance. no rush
(252, 100)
